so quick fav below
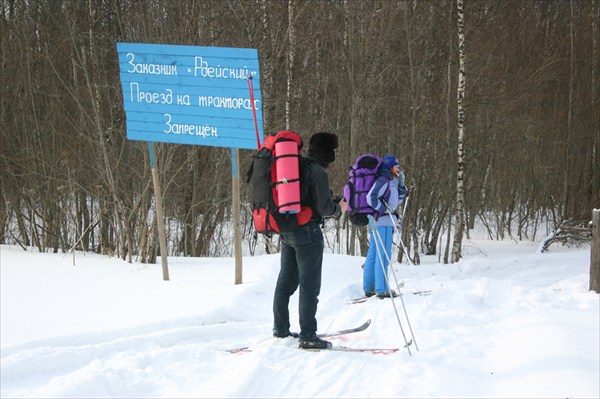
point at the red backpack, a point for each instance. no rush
(276, 205)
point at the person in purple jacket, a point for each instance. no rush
(385, 196)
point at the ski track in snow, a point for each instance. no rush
(482, 313)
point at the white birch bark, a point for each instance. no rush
(460, 193)
(290, 63)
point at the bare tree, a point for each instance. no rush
(379, 73)
(290, 62)
(460, 196)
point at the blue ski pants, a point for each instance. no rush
(374, 275)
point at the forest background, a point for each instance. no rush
(383, 75)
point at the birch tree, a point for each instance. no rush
(290, 62)
(460, 192)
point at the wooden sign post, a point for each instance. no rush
(192, 95)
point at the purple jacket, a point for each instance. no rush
(390, 189)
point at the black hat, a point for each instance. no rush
(324, 145)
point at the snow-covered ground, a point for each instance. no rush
(506, 321)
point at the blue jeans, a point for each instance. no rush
(301, 264)
(376, 264)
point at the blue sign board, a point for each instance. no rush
(191, 95)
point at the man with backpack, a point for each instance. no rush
(302, 248)
(385, 195)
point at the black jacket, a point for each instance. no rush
(315, 191)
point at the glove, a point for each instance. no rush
(401, 178)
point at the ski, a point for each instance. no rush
(375, 351)
(423, 293)
(361, 299)
(364, 298)
(362, 327)
(243, 349)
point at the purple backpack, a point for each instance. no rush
(361, 176)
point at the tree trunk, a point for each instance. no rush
(290, 63)
(565, 198)
(460, 194)
(595, 106)
(595, 256)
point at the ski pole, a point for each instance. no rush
(379, 244)
(251, 89)
(396, 279)
(399, 229)
(401, 226)
(399, 232)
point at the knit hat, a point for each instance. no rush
(390, 161)
(324, 145)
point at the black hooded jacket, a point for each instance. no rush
(315, 191)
